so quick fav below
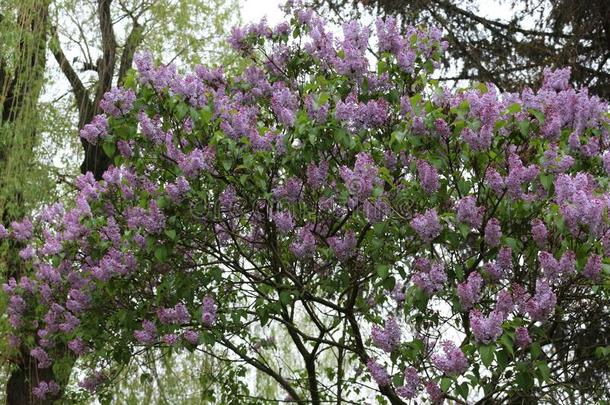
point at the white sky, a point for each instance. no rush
(254, 10)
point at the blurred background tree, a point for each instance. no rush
(511, 51)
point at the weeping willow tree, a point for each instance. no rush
(44, 103)
(23, 179)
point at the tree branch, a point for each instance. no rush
(81, 94)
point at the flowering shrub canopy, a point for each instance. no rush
(333, 192)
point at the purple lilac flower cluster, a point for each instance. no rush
(388, 338)
(452, 360)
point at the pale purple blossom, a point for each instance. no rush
(428, 176)
(208, 311)
(469, 292)
(452, 360)
(493, 232)
(388, 338)
(378, 372)
(486, 329)
(95, 130)
(430, 277)
(427, 225)
(343, 247)
(522, 337)
(469, 213)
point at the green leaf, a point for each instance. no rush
(145, 378)
(464, 229)
(545, 372)
(487, 354)
(206, 114)
(524, 127)
(464, 186)
(538, 114)
(535, 350)
(171, 233)
(508, 343)
(383, 270)
(524, 380)
(446, 384)
(463, 389)
(285, 297)
(161, 253)
(389, 283)
(514, 108)
(546, 180)
(109, 148)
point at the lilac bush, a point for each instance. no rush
(430, 243)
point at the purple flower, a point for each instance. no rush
(357, 116)
(469, 213)
(95, 130)
(552, 268)
(22, 231)
(486, 329)
(494, 181)
(208, 312)
(191, 336)
(178, 315)
(196, 161)
(3, 232)
(387, 338)
(283, 221)
(44, 361)
(343, 248)
(427, 225)
(148, 334)
(388, 35)
(504, 303)
(151, 128)
(478, 141)
(118, 101)
(469, 292)
(361, 180)
(45, 388)
(493, 232)
(170, 339)
(178, 189)
(27, 253)
(77, 346)
(435, 393)
(378, 372)
(284, 104)
(557, 79)
(430, 277)
(316, 175)
(375, 211)
(542, 304)
(539, 232)
(522, 337)
(452, 360)
(593, 268)
(409, 389)
(428, 176)
(317, 113)
(93, 381)
(305, 244)
(354, 62)
(290, 190)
